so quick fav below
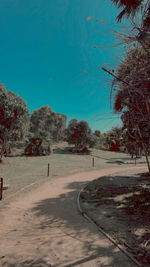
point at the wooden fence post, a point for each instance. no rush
(93, 162)
(135, 160)
(1, 189)
(48, 169)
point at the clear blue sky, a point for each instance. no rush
(47, 56)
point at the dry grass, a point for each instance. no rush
(19, 171)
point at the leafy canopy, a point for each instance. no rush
(78, 133)
(14, 115)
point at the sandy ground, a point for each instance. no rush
(42, 227)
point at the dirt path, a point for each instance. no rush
(43, 227)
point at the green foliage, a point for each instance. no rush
(78, 133)
(130, 142)
(97, 133)
(132, 95)
(14, 118)
(36, 148)
(64, 135)
(113, 139)
(130, 7)
(70, 130)
(95, 141)
(46, 123)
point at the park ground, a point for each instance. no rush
(40, 223)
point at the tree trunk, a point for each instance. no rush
(146, 156)
(145, 151)
(3, 148)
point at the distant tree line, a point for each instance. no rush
(17, 124)
(37, 131)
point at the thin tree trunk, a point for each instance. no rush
(146, 156)
(145, 151)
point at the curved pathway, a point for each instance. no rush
(42, 227)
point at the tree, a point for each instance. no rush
(130, 9)
(70, 130)
(113, 138)
(97, 133)
(42, 120)
(131, 140)
(14, 118)
(48, 123)
(79, 133)
(96, 139)
(37, 148)
(132, 96)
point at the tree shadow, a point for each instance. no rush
(16, 155)
(125, 200)
(84, 260)
(61, 213)
(111, 160)
(61, 150)
(30, 263)
(119, 162)
(66, 150)
(131, 161)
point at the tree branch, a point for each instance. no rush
(114, 75)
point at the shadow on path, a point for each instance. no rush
(61, 213)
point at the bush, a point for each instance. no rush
(37, 148)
